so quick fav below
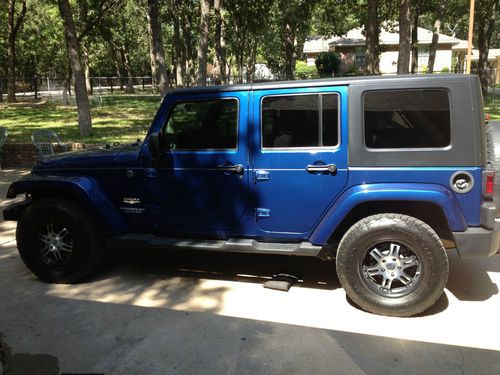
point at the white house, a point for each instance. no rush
(351, 48)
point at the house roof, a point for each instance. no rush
(388, 36)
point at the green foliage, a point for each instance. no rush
(121, 119)
(352, 70)
(445, 70)
(328, 64)
(492, 107)
(304, 71)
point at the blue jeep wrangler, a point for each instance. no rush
(376, 173)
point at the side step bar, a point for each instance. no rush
(234, 245)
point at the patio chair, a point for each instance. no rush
(3, 136)
(44, 141)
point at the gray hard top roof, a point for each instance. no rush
(340, 81)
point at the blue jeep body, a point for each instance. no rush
(285, 200)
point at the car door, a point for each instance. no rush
(299, 157)
(200, 185)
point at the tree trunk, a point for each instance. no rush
(86, 69)
(179, 56)
(116, 57)
(157, 49)
(220, 50)
(203, 42)
(13, 29)
(73, 46)
(124, 53)
(404, 37)
(485, 28)
(189, 50)
(372, 30)
(414, 39)
(435, 37)
(289, 45)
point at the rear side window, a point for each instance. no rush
(300, 121)
(203, 125)
(407, 119)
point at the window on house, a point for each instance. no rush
(300, 121)
(200, 125)
(407, 119)
(423, 58)
(360, 57)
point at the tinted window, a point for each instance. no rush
(203, 125)
(407, 119)
(300, 121)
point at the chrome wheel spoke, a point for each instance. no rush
(57, 255)
(62, 233)
(394, 250)
(408, 262)
(66, 247)
(376, 254)
(405, 279)
(386, 283)
(373, 270)
(50, 229)
(44, 238)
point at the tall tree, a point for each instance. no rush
(404, 37)
(414, 36)
(73, 46)
(372, 31)
(203, 42)
(14, 26)
(220, 42)
(485, 25)
(179, 51)
(436, 30)
(157, 49)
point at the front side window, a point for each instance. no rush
(203, 125)
(407, 119)
(300, 121)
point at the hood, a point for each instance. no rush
(100, 157)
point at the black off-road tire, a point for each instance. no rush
(420, 244)
(82, 232)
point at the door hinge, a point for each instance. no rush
(262, 213)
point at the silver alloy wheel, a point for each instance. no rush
(57, 245)
(391, 269)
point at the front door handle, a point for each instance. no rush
(322, 168)
(231, 169)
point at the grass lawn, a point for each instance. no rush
(493, 107)
(121, 118)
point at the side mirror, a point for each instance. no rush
(154, 145)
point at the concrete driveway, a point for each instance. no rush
(199, 313)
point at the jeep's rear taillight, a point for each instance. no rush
(489, 184)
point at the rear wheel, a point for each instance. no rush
(59, 241)
(392, 264)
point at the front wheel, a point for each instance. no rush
(59, 241)
(392, 264)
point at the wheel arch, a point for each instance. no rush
(83, 190)
(432, 204)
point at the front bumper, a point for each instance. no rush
(478, 242)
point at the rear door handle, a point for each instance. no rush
(231, 169)
(321, 168)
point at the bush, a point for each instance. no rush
(328, 64)
(445, 70)
(304, 71)
(352, 70)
